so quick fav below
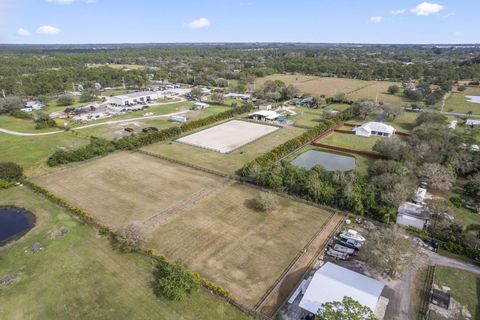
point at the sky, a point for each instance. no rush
(314, 21)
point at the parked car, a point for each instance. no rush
(349, 243)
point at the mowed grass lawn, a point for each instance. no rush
(33, 152)
(465, 288)
(21, 125)
(403, 123)
(225, 163)
(217, 234)
(79, 276)
(350, 141)
(457, 102)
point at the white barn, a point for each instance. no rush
(374, 129)
(332, 283)
(264, 115)
(134, 98)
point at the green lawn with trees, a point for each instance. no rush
(79, 276)
(464, 288)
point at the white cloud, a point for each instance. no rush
(450, 14)
(427, 8)
(48, 30)
(398, 12)
(199, 23)
(376, 19)
(23, 32)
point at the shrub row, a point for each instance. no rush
(98, 147)
(218, 290)
(291, 145)
(84, 216)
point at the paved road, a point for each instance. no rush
(436, 259)
(26, 134)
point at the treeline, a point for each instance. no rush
(252, 167)
(98, 147)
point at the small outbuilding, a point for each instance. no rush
(374, 129)
(200, 106)
(413, 215)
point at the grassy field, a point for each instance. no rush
(457, 102)
(465, 289)
(351, 141)
(309, 117)
(201, 219)
(378, 90)
(32, 152)
(225, 163)
(116, 130)
(20, 125)
(125, 186)
(355, 89)
(403, 123)
(79, 276)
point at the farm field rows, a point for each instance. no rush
(329, 86)
(225, 163)
(201, 219)
(79, 276)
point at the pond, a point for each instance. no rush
(14, 223)
(329, 161)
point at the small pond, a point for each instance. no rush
(473, 99)
(14, 223)
(329, 161)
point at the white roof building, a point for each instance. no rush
(453, 124)
(374, 129)
(471, 122)
(412, 215)
(134, 98)
(332, 283)
(242, 96)
(265, 115)
(200, 105)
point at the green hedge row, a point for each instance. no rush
(84, 216)
(291, 145)
(98, 147)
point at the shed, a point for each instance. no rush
(412, 215)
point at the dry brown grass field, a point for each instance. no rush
(124, 186)
(203, 220)
(355, 89)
